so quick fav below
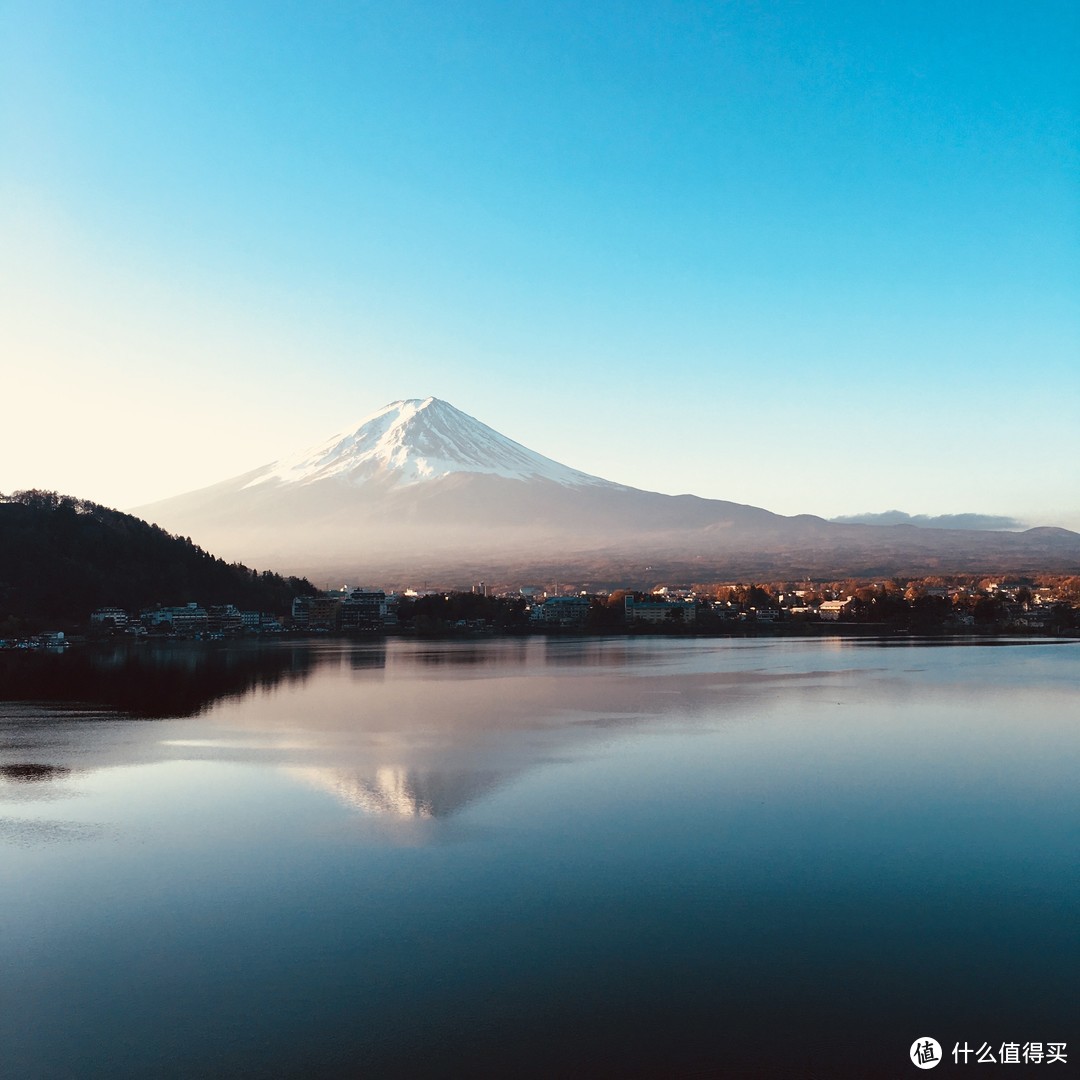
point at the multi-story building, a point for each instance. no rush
(566, 612)
(109, 615)
(831, 610)
(659, 611)
(224, 619)
(363, 610)
(187, 621)
(325, 612)
(301, 611)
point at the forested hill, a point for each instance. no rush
(61, 557)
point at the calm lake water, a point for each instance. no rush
(552, 858)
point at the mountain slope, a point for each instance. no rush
(60, 558)
(421, 489)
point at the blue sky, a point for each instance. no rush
(819, 257)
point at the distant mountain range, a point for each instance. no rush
(421, 490)
(937, 521)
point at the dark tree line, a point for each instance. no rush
(442, 613)
(61, 557)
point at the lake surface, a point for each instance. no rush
(537, 857)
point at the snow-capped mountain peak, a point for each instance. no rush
(415, 440)
(420, 491)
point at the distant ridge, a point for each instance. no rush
(936, 521)
(420, 489)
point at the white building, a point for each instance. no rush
(831, 610)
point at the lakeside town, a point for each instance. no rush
(956, 604)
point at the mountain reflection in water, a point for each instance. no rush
(374, 733)
(526, 857)
(400, 791)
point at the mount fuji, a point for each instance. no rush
(415, 442)
(420, 489)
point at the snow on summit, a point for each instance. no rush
(410, 441)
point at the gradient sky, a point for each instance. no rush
(819, 257)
